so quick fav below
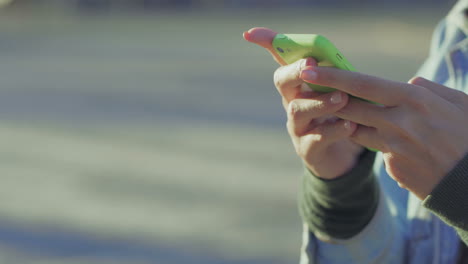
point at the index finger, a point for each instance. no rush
(264, 37)
(375, 89)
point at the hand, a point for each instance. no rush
(421, 127)
(320, 139)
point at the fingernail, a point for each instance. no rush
(308, 75)
(347, 124)
(309, 62)
(336, 98)
(245, 35)
(293, 108)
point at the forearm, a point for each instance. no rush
(342, 207)
(449, 200)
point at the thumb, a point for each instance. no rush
(264, 38)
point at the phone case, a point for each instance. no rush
(292, 47)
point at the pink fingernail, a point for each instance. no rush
(246, 35)
(347, 124)
(336, 98)
(308, 75)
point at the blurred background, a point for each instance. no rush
(148, 131)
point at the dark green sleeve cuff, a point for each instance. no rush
(449, 199)
(342, 207)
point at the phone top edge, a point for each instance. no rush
(292, 47)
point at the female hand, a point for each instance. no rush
(421, 127)
(319, 138)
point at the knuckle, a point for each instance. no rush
(418, 100)
(320, 131)
(297, 144)
(401, 138)
(278, 81)
(398, 144)
(462, 97)
(422, 107)
(299, 110)
(303, 146)
(417, 81)
(301, 151)
(287, 74)
(297, 69)
(400, 178)
(395, 170)
(291, 128)
(402, 125)
(294, 110)
(399, 125)
(320, 135)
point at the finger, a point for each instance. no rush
(446, 93)
(364, 86)
(369, 138)
(327, 134)
(287, 78)
(303, 92)
(264, 37)
(302, 112)
(365, 113)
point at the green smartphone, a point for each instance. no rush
(292, 47)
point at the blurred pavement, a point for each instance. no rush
(160, 138)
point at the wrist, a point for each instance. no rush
(338, 166)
